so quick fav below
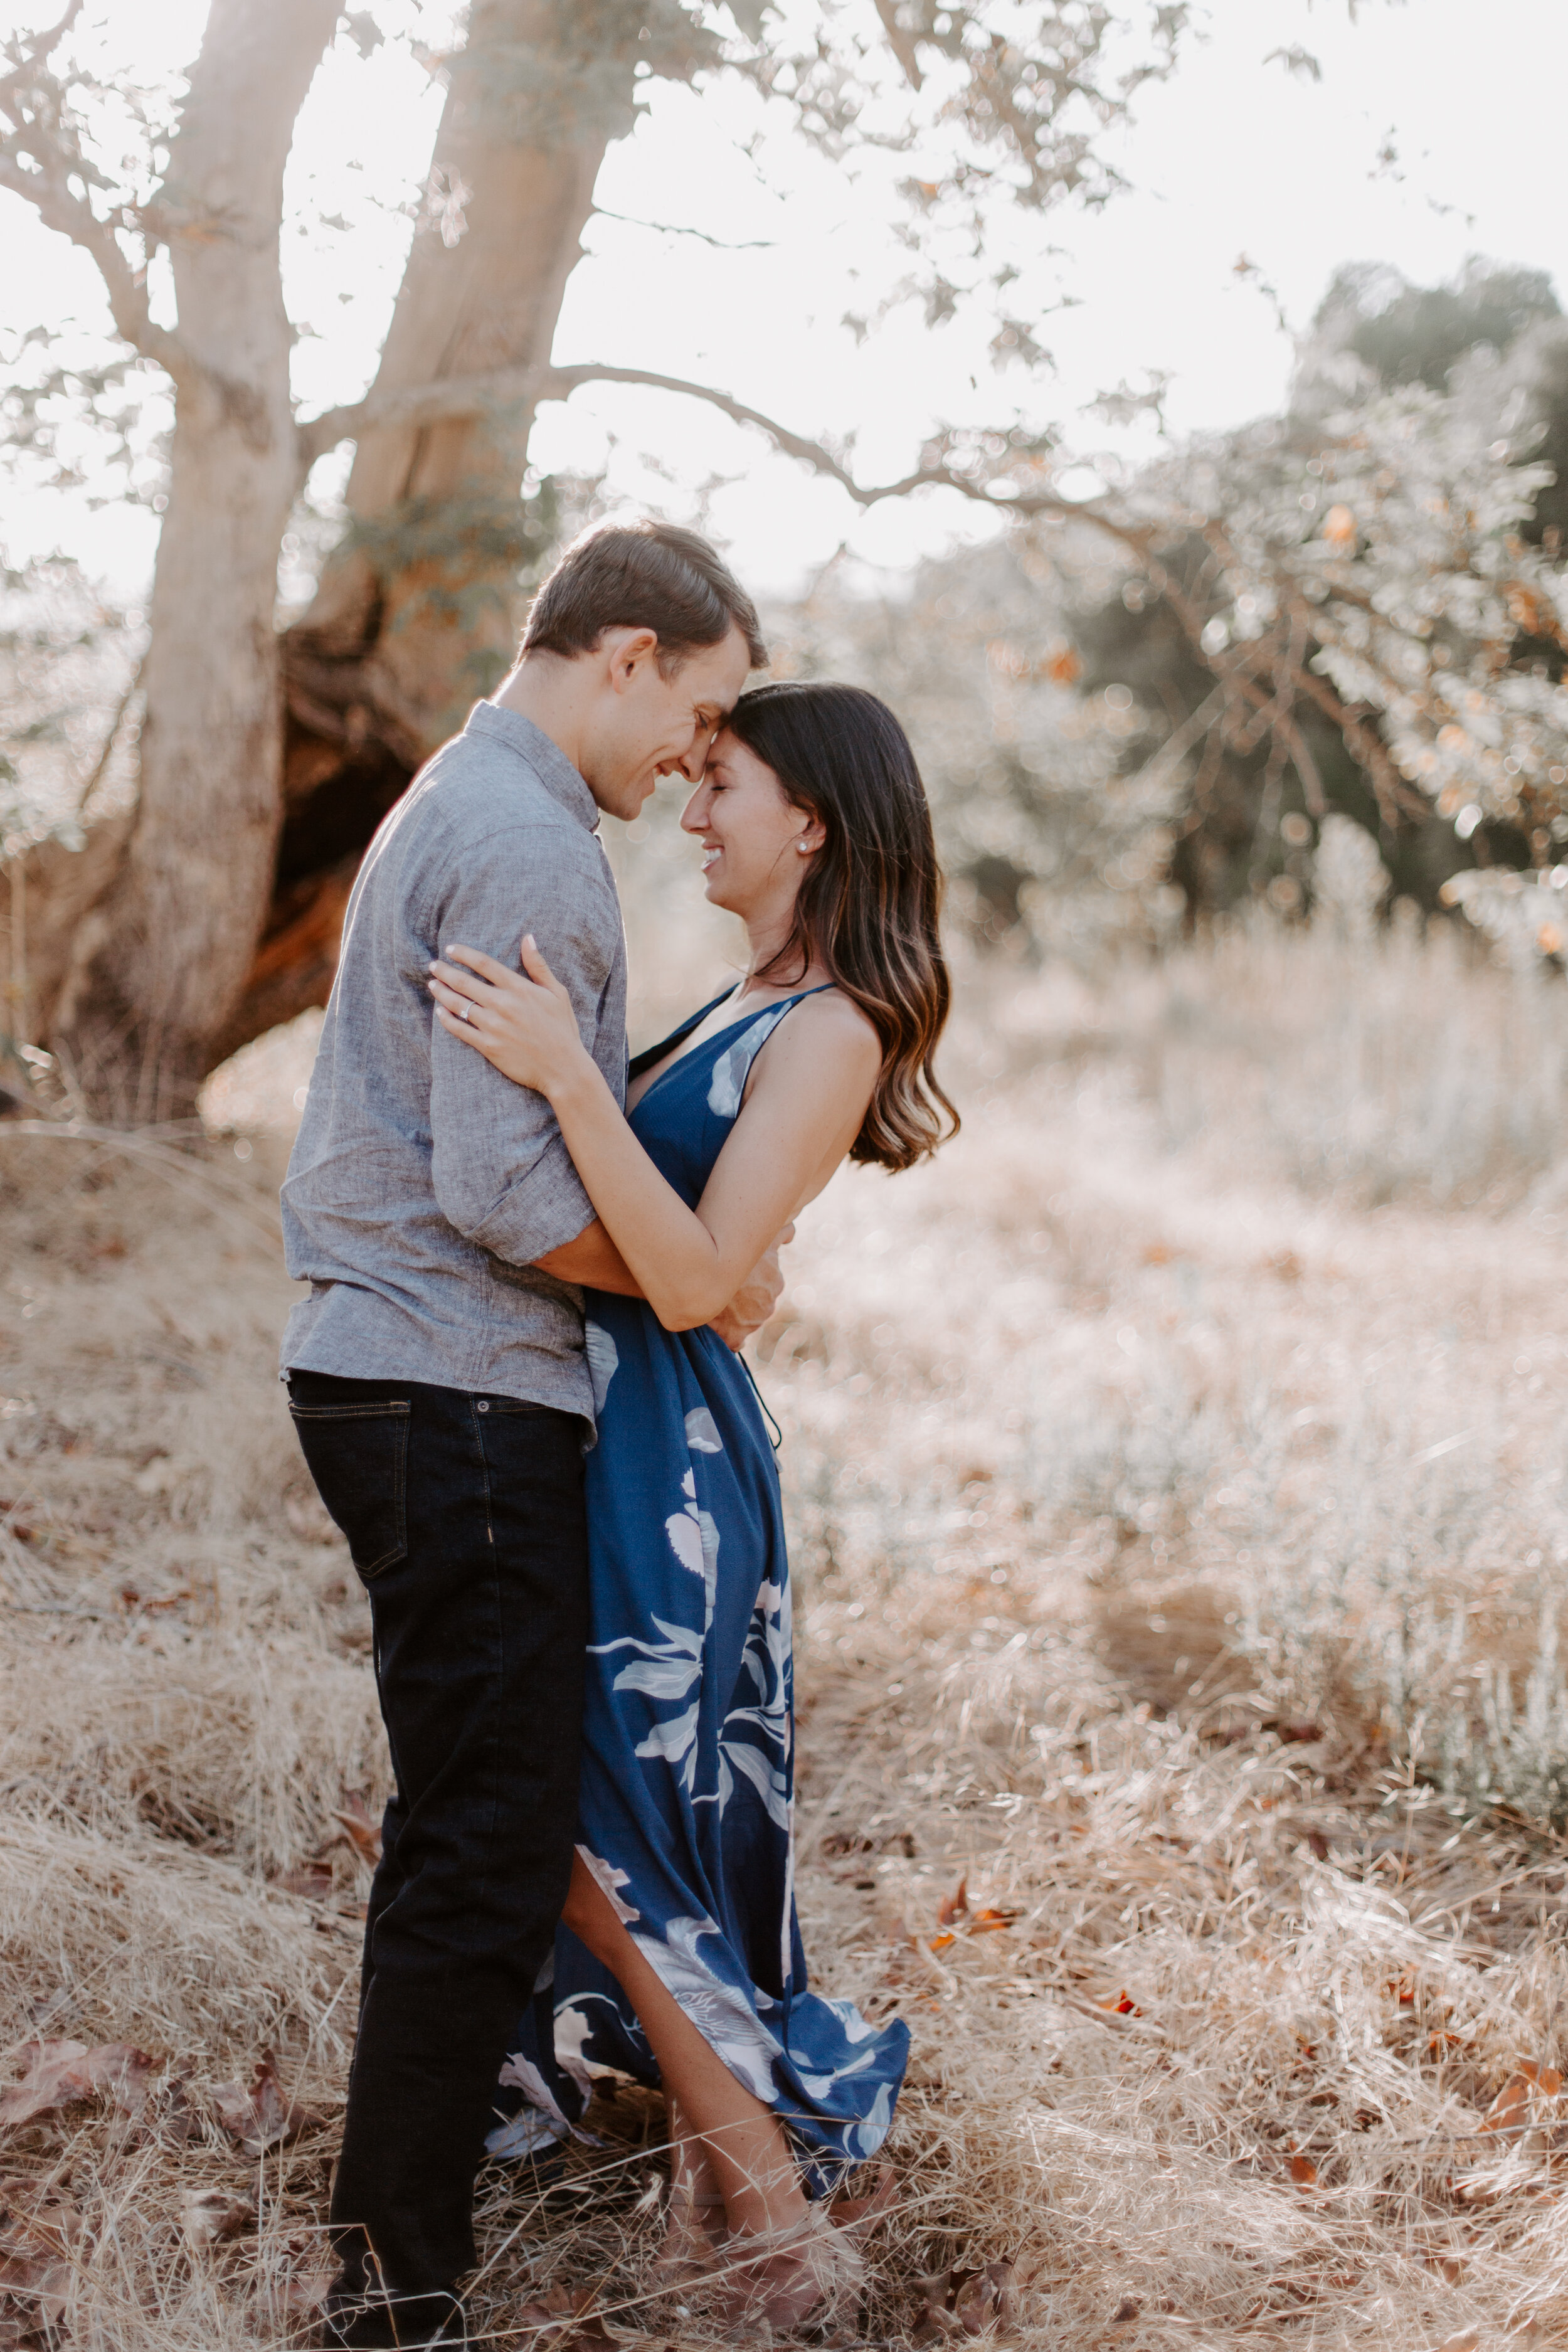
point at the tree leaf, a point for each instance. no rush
(36, 2240)
(860, 2213)
(360, 1826)
(262, 2117)
(208, 2216)
(1510, 2108)
(314, 1882)
(1303, 2172)
(567, 2313)
(61, 2071)
(954, 1905)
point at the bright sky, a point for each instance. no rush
(1232, 156)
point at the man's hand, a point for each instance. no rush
(754, 1303)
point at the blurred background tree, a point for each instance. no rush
(1136, 708)
(265, 761)
(1140, 709)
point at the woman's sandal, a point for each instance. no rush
(785, 2277)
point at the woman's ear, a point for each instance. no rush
(814, 834)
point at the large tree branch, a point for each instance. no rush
(423, 405)
(34, 129)
(51, 197)
(473, 395)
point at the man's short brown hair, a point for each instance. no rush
(642, 576)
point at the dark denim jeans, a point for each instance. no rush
(465, 1517)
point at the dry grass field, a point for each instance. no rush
(1176, 1469)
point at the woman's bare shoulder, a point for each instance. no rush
(825, 1032)
(834, 1019)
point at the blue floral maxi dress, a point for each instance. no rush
(687, 1751)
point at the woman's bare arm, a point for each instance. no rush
(812, 1081)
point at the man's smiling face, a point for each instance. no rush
(647, 725)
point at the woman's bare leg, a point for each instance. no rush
(742, 2141)
(696, 2207)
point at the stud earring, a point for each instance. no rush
(804, 848)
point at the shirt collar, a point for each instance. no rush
(549, 762)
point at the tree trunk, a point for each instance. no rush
(158, 972)
(416, 617)
(268, 763)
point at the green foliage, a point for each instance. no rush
(1418, 334)
(466, 561)
(1356, 607)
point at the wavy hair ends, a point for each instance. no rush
(868, 906)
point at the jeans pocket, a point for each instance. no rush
(358, 1454)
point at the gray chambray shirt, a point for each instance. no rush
(423, 1184)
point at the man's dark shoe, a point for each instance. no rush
(408, 2322)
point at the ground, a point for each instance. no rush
(1175, 1474)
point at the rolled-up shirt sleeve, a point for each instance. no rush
(501, 1173)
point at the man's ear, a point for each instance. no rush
(630, 652)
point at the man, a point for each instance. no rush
(437, 1374)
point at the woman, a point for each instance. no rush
(680, 1961)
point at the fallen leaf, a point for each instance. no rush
(208, 2216)
(961, 2301)
(307, 2292)
(40, 2286)
(1126, 2311)
(1303, 2172)
(1123, 2006)
(312, 1882)
(986, 1922)
(936, 2323)
(1546, 2079)
(61, 2071)
(566, 2314)
(952, 1906)
(859, 2214)
(986, 2300)
(35, 2238)
(940, 1943)
(360, 1826)
(31, 2225)
(262, 2117)
(1511, 2107)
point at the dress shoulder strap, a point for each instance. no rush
(652, 1054)
(734, 1067)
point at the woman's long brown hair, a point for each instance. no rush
(869, 906)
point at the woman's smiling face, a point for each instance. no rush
(755, 842)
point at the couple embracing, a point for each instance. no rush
(518, 1383)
